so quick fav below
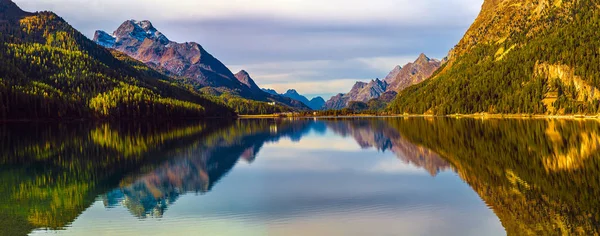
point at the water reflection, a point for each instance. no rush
(538, 176)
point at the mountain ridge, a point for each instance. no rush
(188, 61)
(315, 103)
(140, 40)
(360, 92)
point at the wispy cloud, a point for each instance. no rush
(321, 77)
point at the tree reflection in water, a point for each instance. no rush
(539, 176)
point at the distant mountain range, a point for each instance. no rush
(360, 92)
(316, 103)
(397, 80)
(188, 61)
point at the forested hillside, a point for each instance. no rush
(520, 56)
(50, 70)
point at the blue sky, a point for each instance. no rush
(317, 47)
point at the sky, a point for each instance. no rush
(314, 46)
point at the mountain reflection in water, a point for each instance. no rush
(538, 176)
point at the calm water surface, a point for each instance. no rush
(302, 177)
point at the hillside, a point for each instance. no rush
(50, 70)
(519, 56)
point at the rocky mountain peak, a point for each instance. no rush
(245, 79)
(393, 73)
(145, 24)
(244, 73)
(139, 31)
(104, 39)
(377, 81)
(422, 59)
(413, 73)
(359, 85)
(291, 91)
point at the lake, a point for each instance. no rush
(352, 176)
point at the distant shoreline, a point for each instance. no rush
(473, 116)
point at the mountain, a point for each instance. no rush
(315, 104)
(519, 56)
(50, 70)
(336, 102)
(393, 73)
(368, 94)
(140, 40)
(189, 62)
(293, 94)
(246, 80)
(270, 91)
(244, 77)
(412, 73)
(360, 92)
(380, 134)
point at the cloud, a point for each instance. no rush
(394, 166)
(399, 11)
(321, 77)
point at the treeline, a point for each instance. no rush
(244, 106)
(375, 107)
(493, 78)
(49, 70)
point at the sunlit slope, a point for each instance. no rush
(519, 56)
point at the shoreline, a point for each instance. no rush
(471, 116)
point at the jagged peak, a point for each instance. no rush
(269, 90)
(422, 58)
(290, 91)
(359, 85)
(104, 39)
(144, 24)
(140, 30)
(243, 72)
